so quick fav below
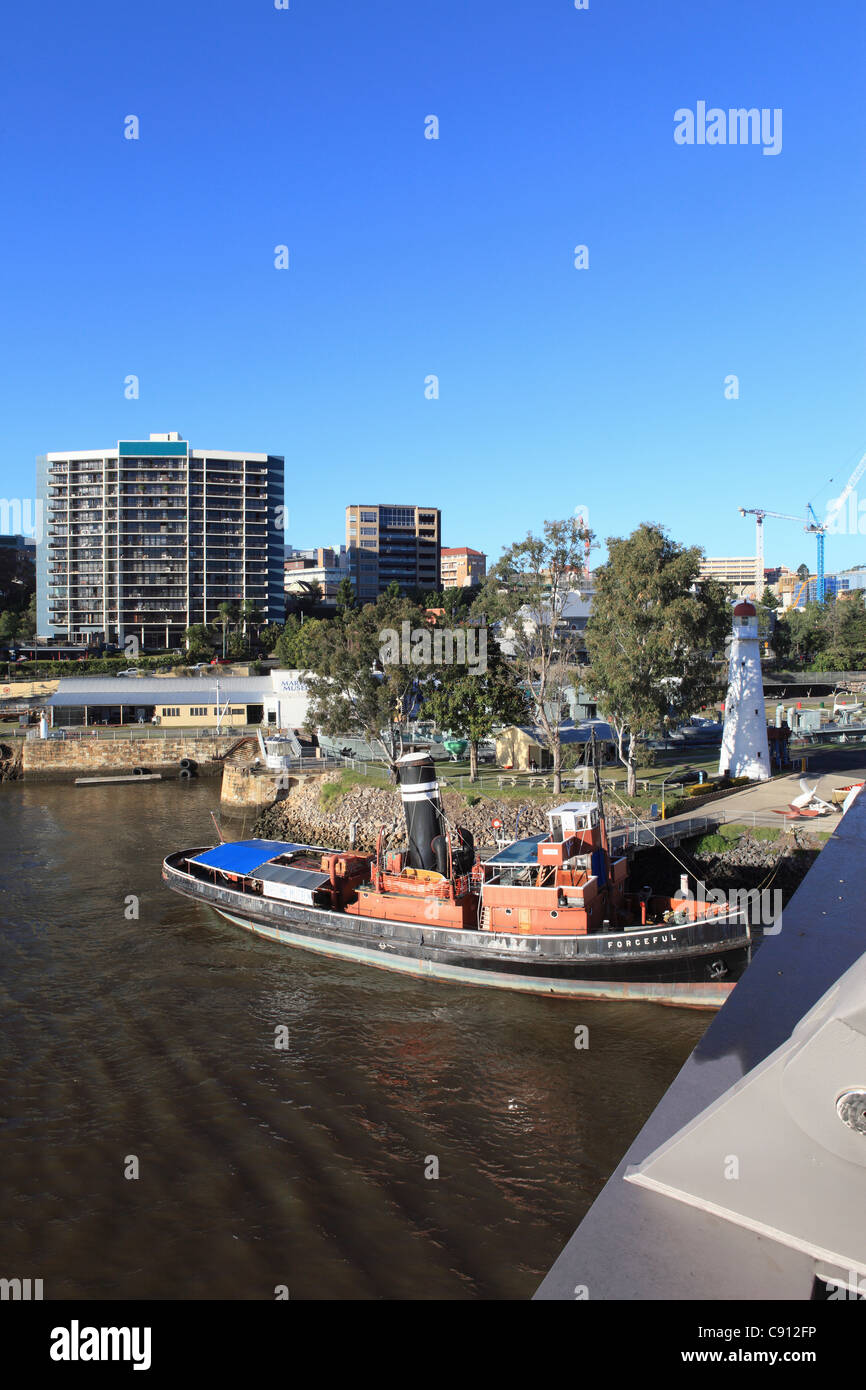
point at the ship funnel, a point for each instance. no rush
(422, 809)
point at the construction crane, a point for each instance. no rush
(810, 523)
(759, 513)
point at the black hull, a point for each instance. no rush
(694, 965)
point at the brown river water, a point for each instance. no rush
(149, 1043)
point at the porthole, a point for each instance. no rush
(508, 912)
(554, 914)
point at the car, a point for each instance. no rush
(130, 671)
(199, 666)
(221, 661)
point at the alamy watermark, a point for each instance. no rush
(20, 1290)
(847, 520)
(22, 516)
(424, 646)
(761, 906)
(736, 126)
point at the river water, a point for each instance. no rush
(148, 1044)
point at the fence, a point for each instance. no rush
(293, 765)
(639, 835)
(142, 731)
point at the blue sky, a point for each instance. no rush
(409, 257)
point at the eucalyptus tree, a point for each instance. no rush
(527, 595)
(651, 636)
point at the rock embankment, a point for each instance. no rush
(10, 763)
(748, 863)
(305, 815)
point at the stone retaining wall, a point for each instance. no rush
(64, 759)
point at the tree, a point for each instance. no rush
(455, 602)
(651, 636)
(269, 635)
(803, 573)
(843, 635)
(345, 596)
(470, 705)
(27, 624)
(253, 617)
(526, 593)
(781, 641)
(285, 643)
(228, 614)
(357, 681)
(199, 641)
(770, 600)
(807, 631)
(297, 641)
(9, 624)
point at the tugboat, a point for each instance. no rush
(551, 914)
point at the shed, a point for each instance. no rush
(522, 746)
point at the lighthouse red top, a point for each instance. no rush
(745, 609)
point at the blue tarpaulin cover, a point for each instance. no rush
(242, 856)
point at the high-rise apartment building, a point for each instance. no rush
(387, 543)
(151, 537)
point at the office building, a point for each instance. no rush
(149, 538)
(388, 543)
(740, 572)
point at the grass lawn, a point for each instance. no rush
(330, 791)
(724, 837)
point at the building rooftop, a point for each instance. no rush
(142, 690)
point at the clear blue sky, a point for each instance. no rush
(409, 256)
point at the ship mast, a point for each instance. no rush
(593, 744)
(599, 795)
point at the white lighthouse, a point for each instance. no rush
(744, 741)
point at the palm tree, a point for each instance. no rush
(253, 617)
(228, 614)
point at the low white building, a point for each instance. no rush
(278, 700)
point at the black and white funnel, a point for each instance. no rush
(422, 808)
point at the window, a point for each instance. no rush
(399, 516)
(170, 712)
(198, 711)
